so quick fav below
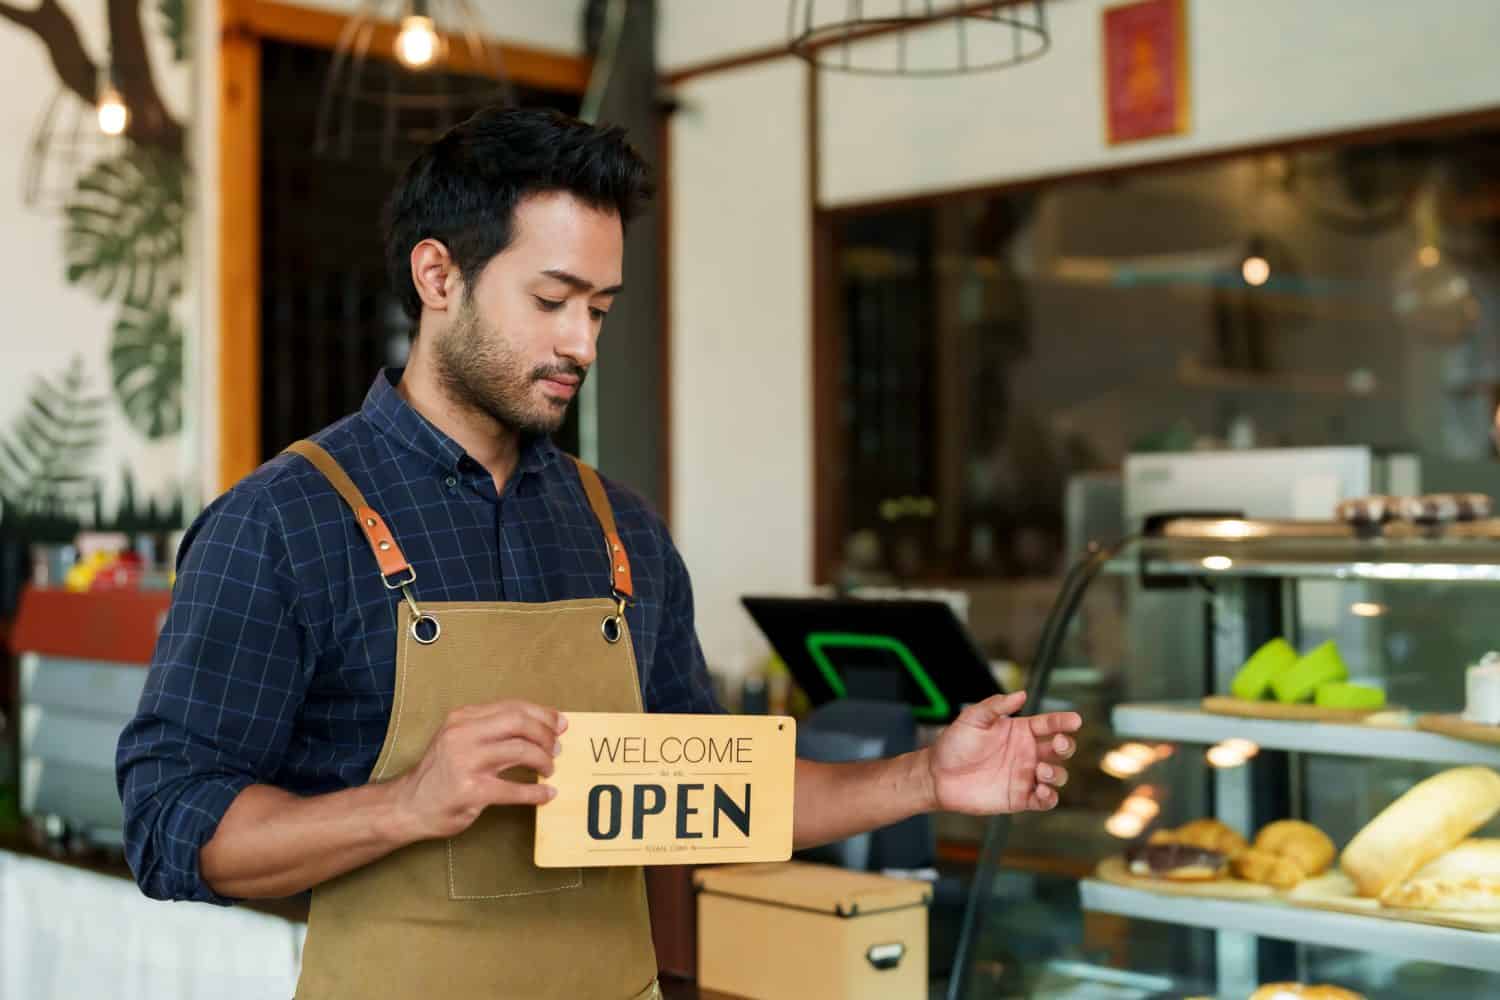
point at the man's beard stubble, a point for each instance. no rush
(477, 369)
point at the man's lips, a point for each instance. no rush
(562, 385)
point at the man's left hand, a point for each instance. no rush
(988, 762)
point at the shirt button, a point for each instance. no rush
(452, 481)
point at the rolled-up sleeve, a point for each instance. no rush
(227, 678)
(679, 680)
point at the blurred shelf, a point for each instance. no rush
(1184, 722)
(1415, 942)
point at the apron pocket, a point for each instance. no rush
(492, 858)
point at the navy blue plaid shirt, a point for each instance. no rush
(276, 664)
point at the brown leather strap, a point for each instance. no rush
(387, 553)
(619, 561)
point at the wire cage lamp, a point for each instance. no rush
(403, 72)
(66, 141)
(917, 38)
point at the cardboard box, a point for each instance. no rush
(795, 930)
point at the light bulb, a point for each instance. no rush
(417, 43)
(113, 115)
(1256, 270)
(1429, 256)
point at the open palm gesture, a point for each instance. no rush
(989, 762)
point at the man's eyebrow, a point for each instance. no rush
(581, 284)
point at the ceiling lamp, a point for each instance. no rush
(916, 37)
(402, 74)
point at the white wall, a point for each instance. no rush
(698, 31)
(742, 472)
(741, 383)
(1260, 72)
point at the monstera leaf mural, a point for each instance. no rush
(47, 449)
(124, 228)
(145, 360)
(174, 15)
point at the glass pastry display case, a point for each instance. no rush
(1171, 870)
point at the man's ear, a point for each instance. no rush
(434, 274)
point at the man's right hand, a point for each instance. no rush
(459, 775)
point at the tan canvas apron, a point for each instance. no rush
(471, 917)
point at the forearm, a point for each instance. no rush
(834, 801)
(272, 843)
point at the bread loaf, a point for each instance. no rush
(1466, 878)
(1428, 821)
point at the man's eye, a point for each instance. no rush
(547, 305)
(599, 314)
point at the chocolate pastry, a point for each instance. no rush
(1175, 862)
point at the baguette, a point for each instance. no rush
(1428, 821)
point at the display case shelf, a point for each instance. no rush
(1415, 942)
(1185, 722)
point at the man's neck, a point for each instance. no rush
(487, 441)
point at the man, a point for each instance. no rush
(360, 677)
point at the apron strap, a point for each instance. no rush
(392, 561)
(619, 562)
(388, 554)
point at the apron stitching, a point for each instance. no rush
(634, 668)
(453, 887)
(403, 673)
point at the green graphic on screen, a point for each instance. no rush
(820, 643)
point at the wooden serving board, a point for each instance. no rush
(1335, 891)
(1220, 704)
(1115, 871)
(1459, 727)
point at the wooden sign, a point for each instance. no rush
(669, 790)
(1145, 70)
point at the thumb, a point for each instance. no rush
(993, 709)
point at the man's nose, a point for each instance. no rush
(579, 337)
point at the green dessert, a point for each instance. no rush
(1267, 663)
(1319, 667)
(1337, 694)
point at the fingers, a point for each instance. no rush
(1043, 798)
(549, 717)
(507, 754)
(517, 793)
(1054, 775)
(992, 709)
(1055, 722)
(503, 728)
(1057, 748)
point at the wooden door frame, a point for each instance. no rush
(244, 25)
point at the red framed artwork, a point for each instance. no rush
(1145, 70)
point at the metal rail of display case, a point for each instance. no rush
(1184, 722)
(1416, 942)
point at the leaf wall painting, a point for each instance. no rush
(145, 361)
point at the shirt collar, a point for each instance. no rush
(394, 417)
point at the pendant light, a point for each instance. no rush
(917, 37)
(404, 72)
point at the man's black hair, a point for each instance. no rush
(463, 189)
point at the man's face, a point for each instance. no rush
(523, 337)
